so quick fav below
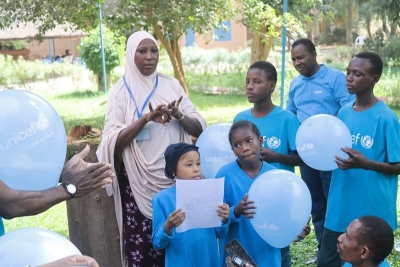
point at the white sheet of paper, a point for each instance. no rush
(200, 200)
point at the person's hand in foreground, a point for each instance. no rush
(306, 231)
(76, 260)
(86, 176)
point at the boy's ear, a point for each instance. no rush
(272, 86)
(261, 141)
(375, 79)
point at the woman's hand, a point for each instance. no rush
(174, 107)
(244, 207)
(159, 115)
(223, 212)
(175, 219)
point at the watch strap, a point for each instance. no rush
(66, 188)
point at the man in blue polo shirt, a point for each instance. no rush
(317, 90)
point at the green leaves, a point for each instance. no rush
(114, 48)
(82, 14)
(172, 16)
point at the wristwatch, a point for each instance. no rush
(182, 117)
(71, 189)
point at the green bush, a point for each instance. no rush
(376, 43)
(345, 53)
(23, 73)
(391, 51)
(114, 48)
(13, 45)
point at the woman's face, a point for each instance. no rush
(146, 57)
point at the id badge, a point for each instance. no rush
(143, 135)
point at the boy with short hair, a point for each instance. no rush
(367, 242)
(366, 182)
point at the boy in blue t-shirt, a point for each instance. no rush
(277, 126)
(366, 182)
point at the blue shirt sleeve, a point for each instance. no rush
(393, 140)
(289, 102)
(293, 126)
(222, 231)
(159, 237)
(340, 93)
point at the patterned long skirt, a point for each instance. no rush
(139, 251)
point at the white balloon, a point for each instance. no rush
(34, 246)
(320, 138)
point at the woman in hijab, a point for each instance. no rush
(147, 111)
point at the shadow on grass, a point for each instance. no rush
(79, 94)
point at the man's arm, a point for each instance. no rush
(340, 92)
(23, 203)
(290, 101)
(85, 176)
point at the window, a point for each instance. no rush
(190, 38)
(224, 32)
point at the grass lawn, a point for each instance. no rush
(87, 107)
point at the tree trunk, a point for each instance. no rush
(100, 83)
(174, 56)
(368, 24)
(349, 26)
(384, 23)
(310, 34)
(393, 28)
(92, 222)
(260, 47)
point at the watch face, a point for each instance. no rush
(71, 188)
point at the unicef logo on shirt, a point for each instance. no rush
(273, 142)
(367, 141)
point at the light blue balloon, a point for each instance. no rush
(215, 149)
(283, 204)
(319, 139)
(34, 246)
(33, 142)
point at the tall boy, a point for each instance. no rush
(366, 182)
(277, 126)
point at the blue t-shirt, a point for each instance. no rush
(1, 227)
(356, 192)
(237, 184)
(323, 93)
(278, 129)
(383, 264)
(195, 247)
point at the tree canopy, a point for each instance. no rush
(80, 14)
(169, 21)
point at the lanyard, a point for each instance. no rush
(147, 99)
